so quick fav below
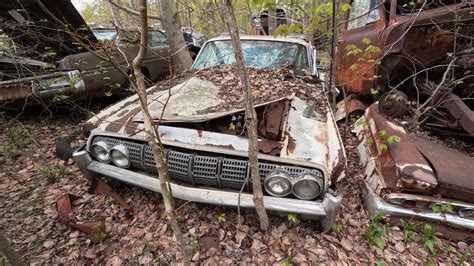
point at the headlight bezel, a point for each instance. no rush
(106, 147)
(122, 149)
(281, 175)
(308, 176)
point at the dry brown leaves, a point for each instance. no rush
(29, 218)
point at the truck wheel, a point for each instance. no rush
(394, 103)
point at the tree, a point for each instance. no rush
(8, 251)
(152, 135)
(172, 25)
(250, 114)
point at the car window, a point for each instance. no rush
(257, 54)
(362, 12)
(156, 38)
(105, 35)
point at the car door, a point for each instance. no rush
(365, 20)
(157, 60)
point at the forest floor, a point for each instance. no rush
(32, 178)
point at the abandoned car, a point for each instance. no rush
(418, 68)
(40, 61)
(301, 155)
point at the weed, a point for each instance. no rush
(375, 231)
(428, 263)
(408, 229)
(292, 217)
(110, 200)
(101, 235)
(50, 173)
(15, 142)
(286, 262)
(38, 241)
(428, 238)
(221, 218)
(337, 227)
(378, 263)
(442, 207)
(465, 256)
(195, 243)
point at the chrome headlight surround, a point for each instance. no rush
(278, 180)
(101, 151)
(120, 156)
(305, 181)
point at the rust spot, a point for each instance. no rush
(199, 133)
(291, 144)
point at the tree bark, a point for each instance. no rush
(180, 57)
(152, 134)
(250, 114)
(8, 251)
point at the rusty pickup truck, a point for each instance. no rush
(415, 60)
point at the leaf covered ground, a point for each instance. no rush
(32, 179)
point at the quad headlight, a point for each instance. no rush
(100, 150)
(120, 156)
(278, 183)
(307, 186)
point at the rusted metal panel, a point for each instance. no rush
(454, 169)
(402, 165)
(460, 112)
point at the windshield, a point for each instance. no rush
(257, 54)
(105, 35)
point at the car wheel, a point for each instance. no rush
(394, 103)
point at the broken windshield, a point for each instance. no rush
(257, 54)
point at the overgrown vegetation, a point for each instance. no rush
(375, 231)
(15, 142)
(51, 173)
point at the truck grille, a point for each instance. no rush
(198, 169)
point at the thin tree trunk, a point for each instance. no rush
(250, 114)
(8, 251)
(152, 135)
(180, 56)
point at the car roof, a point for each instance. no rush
(263, 38)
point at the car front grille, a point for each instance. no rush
(214, 170)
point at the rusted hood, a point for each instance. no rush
(308, 137)
(31, 28)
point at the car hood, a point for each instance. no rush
(307, 138)
(31, 28)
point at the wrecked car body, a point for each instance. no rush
(41, 61)
(411, 48)
(416, 179)
(301, 155)
(414, 59)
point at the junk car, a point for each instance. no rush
(414, 59)
(42, 61)
(301, 155)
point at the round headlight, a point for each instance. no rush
(278, 183)
(120, 156)
(307, 186)
(100, 150)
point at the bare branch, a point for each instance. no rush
(133, 12)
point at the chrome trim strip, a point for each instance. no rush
(324, 210)
(373, 203)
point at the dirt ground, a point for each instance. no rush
(32, 179)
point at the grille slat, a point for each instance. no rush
(200, 169)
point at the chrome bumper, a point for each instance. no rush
(323, 210)
(373, 203)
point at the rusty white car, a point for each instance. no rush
(301, 152)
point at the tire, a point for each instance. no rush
(63, 146)
(394, 103)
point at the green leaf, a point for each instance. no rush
(382, 147)
(378, 242)
(292, 217)
(383, 133)
(362, 122)
(378, 263)
(391, 139)
(366, 41)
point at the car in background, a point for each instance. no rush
(44, 63)
(301, 155)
